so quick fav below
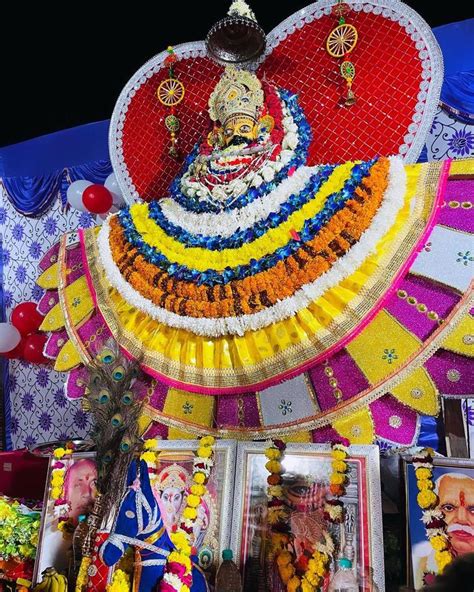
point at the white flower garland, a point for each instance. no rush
(215, 327)
(225, 224)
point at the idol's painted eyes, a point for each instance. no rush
(229, 132)
(245, 128)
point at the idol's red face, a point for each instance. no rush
(456, 499)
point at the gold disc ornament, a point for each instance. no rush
(170, 92)
(342, 40)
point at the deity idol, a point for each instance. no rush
(268, 289)
(171, 485)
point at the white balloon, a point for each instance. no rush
(9, 337)
(74, 194)
(112, 185)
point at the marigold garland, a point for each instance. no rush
(63, 458)
(120, 582)
(316, 569)
(262, 289)
(432, 517)
(178, 569)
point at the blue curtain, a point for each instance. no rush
(36, 172)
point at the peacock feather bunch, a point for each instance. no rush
(115, 408)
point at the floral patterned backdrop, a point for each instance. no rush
(449, 138)
(37, 410)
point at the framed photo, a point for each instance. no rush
(454, 485)
(54, 545)
(171, 484)
(307, 469)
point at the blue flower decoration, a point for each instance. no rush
(30, 441)
(3, 216)
(37, 293)
(461, 142)
(35, 250)
(60, 399)
(45, 421)
(18, 232)
(80, 419)
(14, 425)
(5, 253)
(42, 377)
(86, 220)
(312, 226)
(27, 401)
(50, 226)
(12, 382)
(8, 298)
(20, 274)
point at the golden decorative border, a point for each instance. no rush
(344, 408)
(68, 323)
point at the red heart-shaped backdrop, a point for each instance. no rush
(397, 85)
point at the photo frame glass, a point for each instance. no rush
(454, 485)
(306, 475)
(171, 484)
(77, 497)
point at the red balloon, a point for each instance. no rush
(97, 199)
(33, 350)
(26, 318)
(17, 352)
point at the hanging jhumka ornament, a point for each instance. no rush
(170, 93)
(339, 44)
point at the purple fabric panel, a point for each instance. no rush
(90, 328)
(55, 342)
(452, 373)
(158, 398)
(460, 218)
(49, 258)
(228, 410)
(74, 264)
(437, 298)
(324, 435)
(48, 300)
(76, 382)
(393, 421)
(349, 378)
(156, 430)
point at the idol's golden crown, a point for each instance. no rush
(238, 93)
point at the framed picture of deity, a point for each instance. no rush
(305, 488)
(171, 484)
(68, 495)
(453, 482)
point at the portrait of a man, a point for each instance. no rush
(79, 491)
(305, 483)
(455, 490)
(80, 487)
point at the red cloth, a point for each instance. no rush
(22, 474)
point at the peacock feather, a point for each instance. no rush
(115, 408)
